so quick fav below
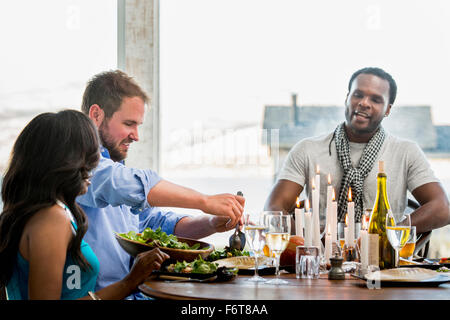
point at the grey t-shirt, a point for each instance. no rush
(405, 165)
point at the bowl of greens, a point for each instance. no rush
(227, 252)
(178, 248)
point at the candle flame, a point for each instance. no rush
(329, 230)
(334, 195)
(349, 194)
(298, 202)
(307, 205)
(364, 224)
(317, 169)
(346, 220)
(313, 185)
(367, 214)
(329, 179)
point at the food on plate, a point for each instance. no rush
(197, 266)
(243, 262)
(402, 274)
(443, 269)
(444, 260)
(159, 238)
(287, 258)
(226, 253)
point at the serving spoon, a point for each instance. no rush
(237, 239)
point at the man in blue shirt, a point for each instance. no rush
(121, 199)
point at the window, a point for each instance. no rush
(223, 62)
(50, 49)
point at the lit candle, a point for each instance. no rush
(315, 216)
(347, 242)
(329, 220)
(328, 245)
(317, 179)
(299, 219)
(364, 245)
(308, 225)
(351, 218)
(334, 218)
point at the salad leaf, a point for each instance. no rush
(197, 266)
(443, 269)
(226, 253)
(195, 246)
(160, 238)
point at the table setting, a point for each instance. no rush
(264, 254)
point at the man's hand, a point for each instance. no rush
(220, 223)
(202, 226)
(227, 205)
(168, 194)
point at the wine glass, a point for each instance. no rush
(398, 231)
(254, 228)
(407, 251)
(278, 231)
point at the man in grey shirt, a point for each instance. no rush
(350, 154)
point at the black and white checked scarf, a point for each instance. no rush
(354, 177)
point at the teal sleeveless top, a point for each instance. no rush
(76, 282)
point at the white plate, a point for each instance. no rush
(244, 262)
(404, 275)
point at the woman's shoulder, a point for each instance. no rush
(49, 219)
(46, 227)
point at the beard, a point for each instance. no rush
(107, 141)
(370, 128)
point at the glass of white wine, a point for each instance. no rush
(398, 232)
(278, 231)
(254, 232)
(407, 251)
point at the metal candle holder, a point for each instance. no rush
(336, 272)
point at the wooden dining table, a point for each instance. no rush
(239, 288)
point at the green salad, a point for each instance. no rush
(226, 253)
(443, 269)
(197, 266)
(159, 238)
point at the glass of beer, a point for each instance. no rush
(407, 251)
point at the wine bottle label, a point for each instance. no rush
(374, 249)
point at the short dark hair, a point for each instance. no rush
(381, 74)
(107, 89)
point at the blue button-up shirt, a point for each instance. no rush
(116, 201)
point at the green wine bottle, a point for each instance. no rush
(377, 224)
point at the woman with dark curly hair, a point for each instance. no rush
(42, 252)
